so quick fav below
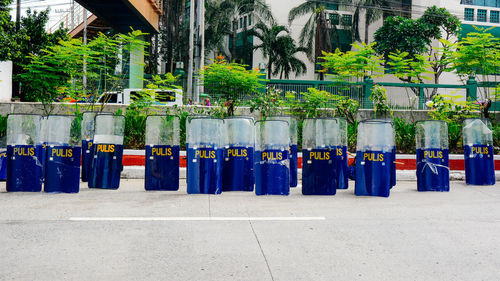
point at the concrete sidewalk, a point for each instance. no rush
(131, 234)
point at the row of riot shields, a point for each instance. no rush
(234, 154)
(43, 150)
(47, 151)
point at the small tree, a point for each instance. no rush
(362, 62)
(477, 55)
(228, 80)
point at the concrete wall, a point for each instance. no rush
(5, 80)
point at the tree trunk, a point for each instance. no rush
(367, 25)
(235, 38)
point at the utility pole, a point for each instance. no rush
(200, 48)
(191, 50)
(84, 79)
(18, 15)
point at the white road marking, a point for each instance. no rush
(197, 218)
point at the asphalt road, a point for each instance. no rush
(131, 234)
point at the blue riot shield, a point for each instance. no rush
(108, 152)
(162, 153)
(375, 155)
(88, 122)
(432, 156)
(63, 153)
(24, 167)
(272, 162)
(478, 152)
(3, 164)
(293, 150)
(324, 156)
(204, 155)
(239, 141)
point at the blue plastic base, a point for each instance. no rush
(272, 174)
(106, 166)
(238, 173)
(24, 169)
(162, 168)
(432, 170)
(479, 165)
(62, 169)
(374, 173)
(204, 170)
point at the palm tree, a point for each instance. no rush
(373, 12)
(316, 36)
(217, 27)
(285, 60)
(269, 37)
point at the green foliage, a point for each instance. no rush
(405, 135)
(455, 137)
(313, 105)
(226, 80)
(31, 38)
(404, 34)
(413, 37)
(360, 63)
(496, 137)
(380, 103)
(352, 135)
(57, 72)
(410, 69)
(268, 104)
(346, 107)
(3, 128)
(477, 54)
(450, 109)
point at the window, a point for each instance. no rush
(245, 22)
(494, 16)
(346, 20)
(469, 14)
(484, 3)
(334, 19)
(241, 22)
(249, 19)
(481, 15)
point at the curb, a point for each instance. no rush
(137, 172)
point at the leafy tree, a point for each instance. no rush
(441, 21)
(403, 34)
(317, 34)
(57, 72)
(227, 80)
(360, 63)
(416, 36)
(478, 55)
(269, 37)
(285, 59)
(31, 38)
(9, 38)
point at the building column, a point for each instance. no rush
(136, 66)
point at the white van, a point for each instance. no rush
(166, 97)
